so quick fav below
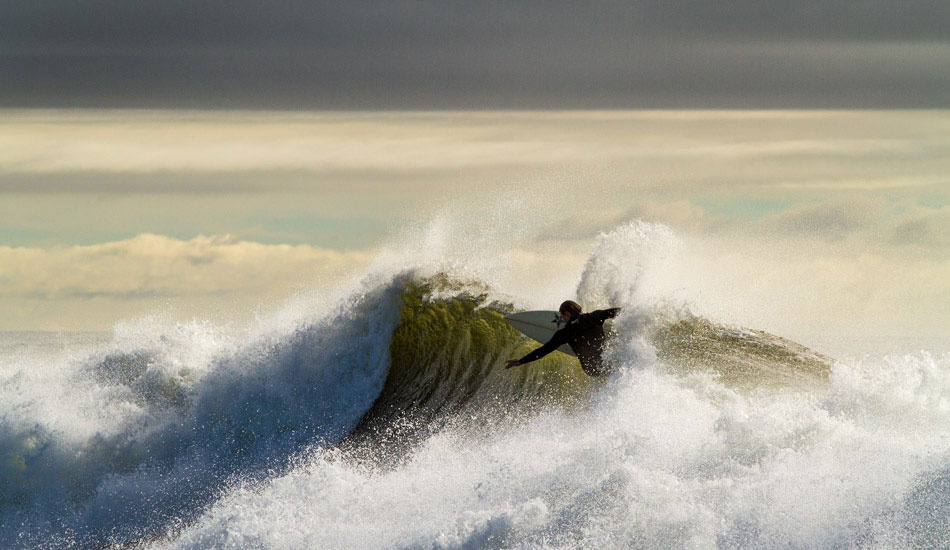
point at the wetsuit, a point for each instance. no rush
(585, 335)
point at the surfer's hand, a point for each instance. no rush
(512, 363)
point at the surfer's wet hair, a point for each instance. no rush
(570, 307)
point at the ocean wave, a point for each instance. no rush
(392, 366)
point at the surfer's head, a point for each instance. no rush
(569, 310)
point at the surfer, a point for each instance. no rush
(584, 332)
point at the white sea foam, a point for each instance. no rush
(654, 461)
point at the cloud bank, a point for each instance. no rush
(87, 287)
(814, 221)
(154, 266)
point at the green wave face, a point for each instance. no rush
(448, 351)
(742, 359)
(447, 359)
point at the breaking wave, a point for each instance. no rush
(388, 421)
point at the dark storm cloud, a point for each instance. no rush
(478, 54)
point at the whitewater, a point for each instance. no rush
(376, 413)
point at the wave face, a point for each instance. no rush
(446, 351)
(387, 421)
(444, 365)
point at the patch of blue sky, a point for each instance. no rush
(328, 232)
(21, 236)
(749, 208)
(935, 201)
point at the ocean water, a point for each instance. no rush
(377, 414)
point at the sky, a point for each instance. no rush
(211, 160)
(485, 55)
(812, 224)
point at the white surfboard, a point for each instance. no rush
(539, 326)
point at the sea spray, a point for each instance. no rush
(613, 276)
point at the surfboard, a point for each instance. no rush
(539, 326)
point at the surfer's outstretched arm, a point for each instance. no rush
(604, 314)
(554, 343)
